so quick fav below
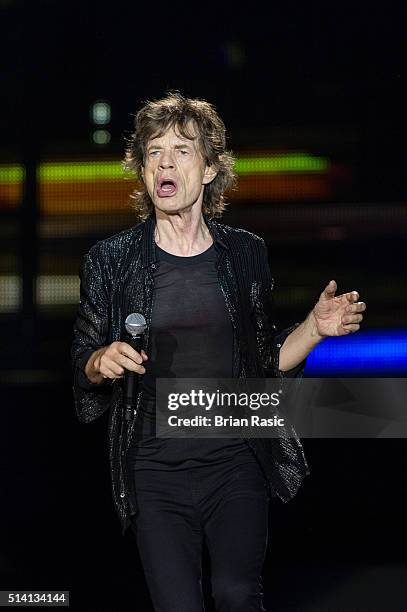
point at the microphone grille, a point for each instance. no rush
(135, 324)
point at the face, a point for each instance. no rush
(175, 173)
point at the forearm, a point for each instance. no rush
(92, 368)
(299, 343)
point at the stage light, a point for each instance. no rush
(372, 352)
(100, 112)
(101, 137)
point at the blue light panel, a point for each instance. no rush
(379, 352)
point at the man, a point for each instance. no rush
(205, 290)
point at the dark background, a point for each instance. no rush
(326, 78)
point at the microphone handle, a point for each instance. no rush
(131, 380)
(136, 342)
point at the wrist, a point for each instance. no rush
(311, 323)
(92, 368)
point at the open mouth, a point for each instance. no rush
(166, 188)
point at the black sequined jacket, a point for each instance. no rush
(116, 279)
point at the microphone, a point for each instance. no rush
(135, 325)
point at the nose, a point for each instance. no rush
(166, 159)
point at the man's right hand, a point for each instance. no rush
(112, 361)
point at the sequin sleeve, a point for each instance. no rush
(269, 339)
(90, 333)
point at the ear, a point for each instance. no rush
(210, 173)
(142, 172)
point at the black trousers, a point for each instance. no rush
(225, 504)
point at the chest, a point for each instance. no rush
(137, 289)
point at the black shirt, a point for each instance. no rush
(191, 337)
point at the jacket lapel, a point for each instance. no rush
(228, 283)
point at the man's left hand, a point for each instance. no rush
(337, 315)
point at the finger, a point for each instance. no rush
(129, 364)
(112, 361)
(330, 289)
(351, 328)
(119, 370)
(108, 372)
(129, 352)
(352, 296)
(144, 356)
(355, 318)
(358, 307)
(110, 369)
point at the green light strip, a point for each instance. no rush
(81, 171)
(104, 170)
(290, 162)
(11, 174)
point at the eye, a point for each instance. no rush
(153, 153)
(183, 152)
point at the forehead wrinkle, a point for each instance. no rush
(177, 142)
(175, 132)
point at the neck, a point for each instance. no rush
(182, 234)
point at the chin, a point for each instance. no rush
(167, 206)
(172, 207)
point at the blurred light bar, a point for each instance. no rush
(287, 162)
(51, 290)
(81, 171)
(12, 174)
(11, 185)
(363, 353)
(295, 187)
(57, 290)
(10, 293)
